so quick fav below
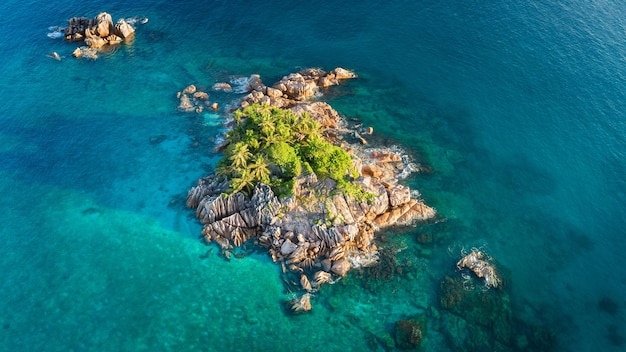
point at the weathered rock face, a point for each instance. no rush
(97, 32)
(104, 25)
(123, 29)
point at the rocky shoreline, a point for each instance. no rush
(318, 233)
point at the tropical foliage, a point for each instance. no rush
(274, 146)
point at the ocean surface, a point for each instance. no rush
(518, 106)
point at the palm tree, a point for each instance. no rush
(238, 116)
(266, 125)
(260, 169)
(240, 156)
(304, 127)
(243, 181)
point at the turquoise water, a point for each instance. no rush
(518, 107)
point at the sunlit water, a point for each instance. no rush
(519, 108)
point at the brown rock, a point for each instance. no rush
(123, 29)
(95, 42)
(476, 262)
(76, 37)
(372, 171)
(425, 238)
(385, 156)
(222, 86)
(185, 104)
(190, 89)
(296, 87)
(341, 73)
(327, 82)
(274, 93)
(201, 96)
(254, 82)
(326, 264)
(103, 25)
(398, 195)
(287, 248)
(304, 282)
(77, 53)
(405, 214)
(55, 56)
(408, 334)
(302, 304)
(313, 73)
(341, 267)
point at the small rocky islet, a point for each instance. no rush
(96, 33)
(317, 230)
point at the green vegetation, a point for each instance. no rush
(275, 146)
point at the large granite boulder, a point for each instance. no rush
(103, 25)
(123, 29)
(296, 86)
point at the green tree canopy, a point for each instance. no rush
(273, 145)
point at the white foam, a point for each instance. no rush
(136, 20)
(239, 84)
(56, 32)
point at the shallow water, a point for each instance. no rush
(518, 107)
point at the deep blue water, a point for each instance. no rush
(520, 107)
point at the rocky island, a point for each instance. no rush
(96, 33)
(297, 181)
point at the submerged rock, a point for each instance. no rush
(301, 304)
(408, 334)
(486, 316)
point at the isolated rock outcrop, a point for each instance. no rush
(477, 262)
(97, 32)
